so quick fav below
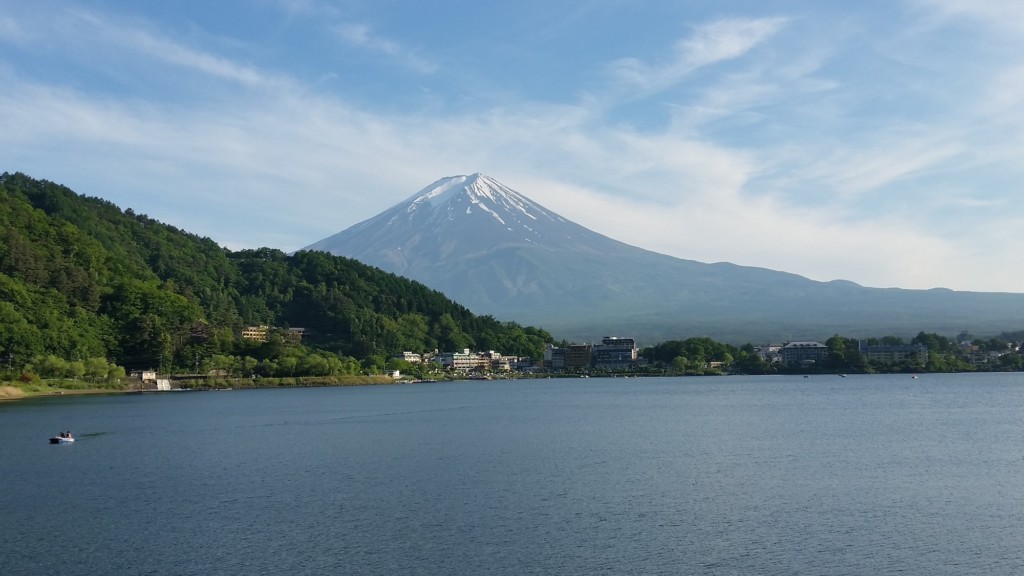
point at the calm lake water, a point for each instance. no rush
(732, 475)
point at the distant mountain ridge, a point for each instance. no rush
(497, 252)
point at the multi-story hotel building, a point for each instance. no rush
(797, 354)
(614, 353)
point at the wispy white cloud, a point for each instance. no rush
(136, 39)
(709, 44)
(1001, 14)
(357, 34)
(850, 171)
(362, 36)
(1004, 99)
(319, 8)
(12, 32)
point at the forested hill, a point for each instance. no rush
(80, 278)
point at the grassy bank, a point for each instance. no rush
(18, 390)
(304, 382)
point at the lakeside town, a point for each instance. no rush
(617, 354)
(614, 355)
(611, 356)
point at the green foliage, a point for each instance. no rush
(81, 279)
(750, 362)
(935, 342)
(693, 350)
(691, 356)
(844, 356)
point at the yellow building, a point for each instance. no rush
(257, 333)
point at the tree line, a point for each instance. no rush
(963, 353)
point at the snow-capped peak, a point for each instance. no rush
(460, 215)
(446, 189)
(478, 190)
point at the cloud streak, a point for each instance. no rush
(143, 43)
(709, 44)
(360, 35)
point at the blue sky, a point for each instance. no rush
(879, 142)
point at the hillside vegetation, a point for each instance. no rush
(81, 279)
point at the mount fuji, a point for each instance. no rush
(498, 252)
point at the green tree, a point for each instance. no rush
(414, 333)
(374, 364)
(680, 364)
(1011, 361)
(18, 338)
(313, 365)
(225, 363)
(836, 352)
(751, 363)
(287, 365)
(51, 366)
(75, 370)
(450, 335)
(247, 365)
(935, 342)
(115, 373)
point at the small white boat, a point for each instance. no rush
(58, 439)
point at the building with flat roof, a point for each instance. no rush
(894, 353)
(578, 356)
(554, 357)
(411, 357)
(257, 333)
(465, 361)
(614, 353)
(801, 354)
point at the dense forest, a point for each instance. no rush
(82, 281)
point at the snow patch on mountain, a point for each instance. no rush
(480, 191)
(477, 202)
(439, 193)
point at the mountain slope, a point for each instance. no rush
(500, 253)
(81, 278)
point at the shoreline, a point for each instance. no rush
(9, 393)
(12, 392)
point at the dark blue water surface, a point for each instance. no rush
(732, 475)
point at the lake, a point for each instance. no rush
(699, 475)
